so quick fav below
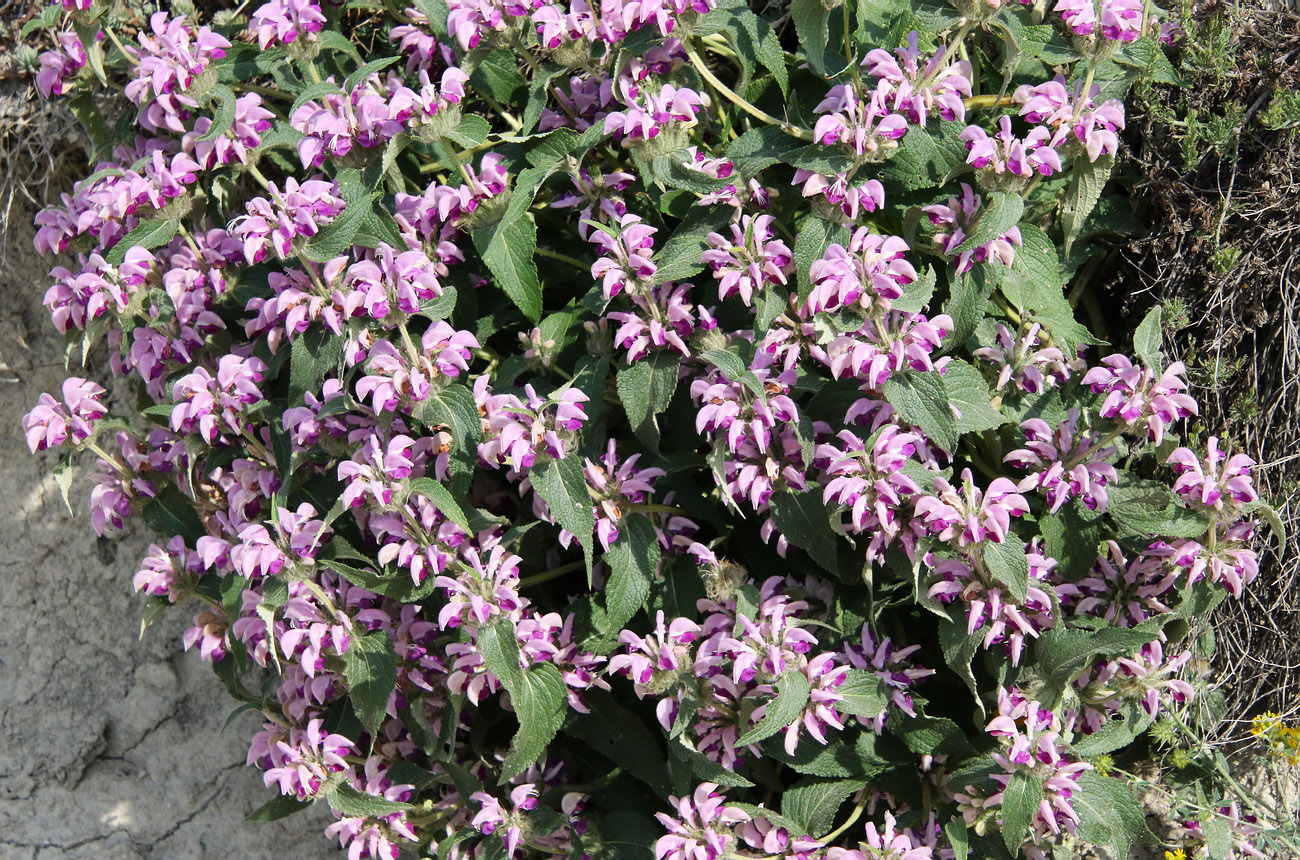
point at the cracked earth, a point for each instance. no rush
(112, 743)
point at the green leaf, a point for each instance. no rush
(805, 521)
(398, 586)
(149, 233)
(538, 94)
(916, 295)
(471, 132)
(755, 38)
(170, 513)
(563, 487)
(960, 647)
(370, 668)
(1001, 212)
(357, 804)
(812, 803)
(924, 159)
(759, 148)
(792, 695)
(1147, 55)
(442, 499)
(313, 356)
(955, 830)
(223, 99)
(933, 736)
(703, 767)
(865, 695)
(1087, 179)
(1109, 814)
(1023, 796)
(507, 249)
(1117, 732)
(1009, 565)
(498, 75)
(362, 74)
(645, 389)
(454, 407)
(1063, 653)
(277, 808)
(540, 701)
(633, 561)
(1147, 340)
(812, 23)
(500, 650)
(311, 92)
(679, 258)
(622, 737)
(1033, 284)
(967, 304)
(815, 236)
(946, 406)
(1071, 540)
(1218, 839)
(336, 237)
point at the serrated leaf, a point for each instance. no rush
(633, 561)
(538, 94)
(933, 736)
(805, 521)
(1148, 338)
(442, 499)
(358, 804)
(1001, 211)
(1009, 564)
(864, 694)
(336, 237)
(645, 389)
(498, 75)
(812, 803)
(916, 295)
(1020, 802)
(944, 406)
(471, 132)
(1087, 179)
(313, 356)
(563, 487)
(540, 701)
(1109, 814)
(812, 22)
(370, 668)
(500, 649)
(362, 74)
(1033, 284)
(507, 249)
(924, 159)
(170, 513)
(792, 692)
(277, 808)
(148, 234)
(454, 407)
(222, 98)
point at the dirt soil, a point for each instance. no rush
(113, 743)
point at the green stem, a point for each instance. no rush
(734, 98)
(553, 573)
(563, 258)
(120, 47)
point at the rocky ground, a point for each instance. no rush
(113, 743)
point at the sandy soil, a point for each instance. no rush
(112, 744)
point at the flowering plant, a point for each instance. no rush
(658, 426)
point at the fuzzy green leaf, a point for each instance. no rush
(1009, 565)
(633, 561)
(812, 803)
(442, 499)
(1109, 814)
(1024, 794)
(792, 692)
(507, 249)
(370, 668)
(563, 487)
(805, 521)
(540, 701)
(356, 804)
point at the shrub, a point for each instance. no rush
(654, 427)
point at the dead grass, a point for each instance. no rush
(1222, 256)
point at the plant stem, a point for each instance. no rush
(563, 258)
(734, 98)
